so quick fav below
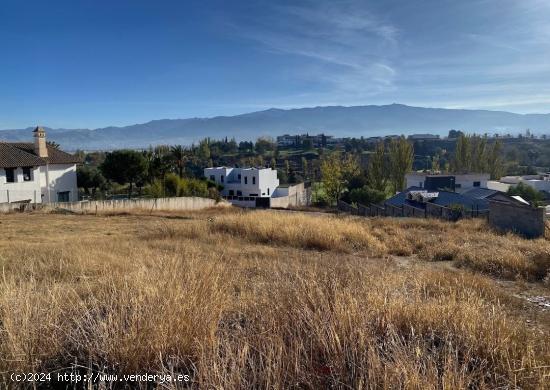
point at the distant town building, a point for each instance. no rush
(36, 172)
(317, 141)
(423, 137)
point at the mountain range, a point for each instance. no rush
(339, 121)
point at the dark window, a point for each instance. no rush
(27, 174)
(231, 192)
(239, 193)
(477, 184)
(253, 179)
(10, 175)
(63, 196)
(239, 177)
(221, 178)
(253, 194)
(246, 180)
(268, 191)
(212, 177)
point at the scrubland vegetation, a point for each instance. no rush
(267, 299)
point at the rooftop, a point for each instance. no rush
(21, 154)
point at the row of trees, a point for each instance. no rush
(475, 154)
(160, 169)
(342, 175)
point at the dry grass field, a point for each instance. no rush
(267, 299)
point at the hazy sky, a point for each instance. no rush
(95, 63)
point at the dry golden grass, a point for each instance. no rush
(270, 300)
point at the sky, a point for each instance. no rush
(96, 63)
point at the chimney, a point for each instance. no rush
(40, 148)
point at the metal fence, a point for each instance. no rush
(430, 211)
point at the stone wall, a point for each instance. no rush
(525, 220)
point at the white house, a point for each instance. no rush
(540, 182)
(458, 182)
(36, 172)
(245, 182)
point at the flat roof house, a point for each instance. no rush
(453, 182)
(244, 184)
(36, 172)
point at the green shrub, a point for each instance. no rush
(366, 195)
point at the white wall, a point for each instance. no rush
(466, 181)
(265, 179)
(463, 182)
(57, 178)
(20, 190)
(498, 186)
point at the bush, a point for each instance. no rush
(155, 190)
(366, 195)
(526, 192)
(457, 212)
(176, 186)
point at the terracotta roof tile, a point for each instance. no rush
(55, 156)
(12, 157)
(21, 154)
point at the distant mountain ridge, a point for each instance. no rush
(338, 121)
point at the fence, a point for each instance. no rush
(430, 211)
(121, 205)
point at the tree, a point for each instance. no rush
(367, 195)
(494, 160)
(89, 179)
(526, 192)
(455, 133)
(53, 144)
(179, 157)
(377, 169)
(336, 173)
(264, 144)
(125, 166)
(462, 158)
(304, 167)
(203, 151)
(401, 156)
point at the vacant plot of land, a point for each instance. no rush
(275, 300)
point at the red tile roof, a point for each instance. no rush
(21, 154)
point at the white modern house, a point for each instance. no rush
(456, 182)
(244, 182)
(36, 172)
(540, 182)
(257, 187)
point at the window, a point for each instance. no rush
(63, 196)
(254, 195)
(212, 177)
(10, 175)
(246, 180)
(458, 185)
(477, 184)
(231, 192)
(239, 177)
(253, 179)
(221, 178)
(268, 191)
(27, 174)
(239, 193)
(420, 184)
